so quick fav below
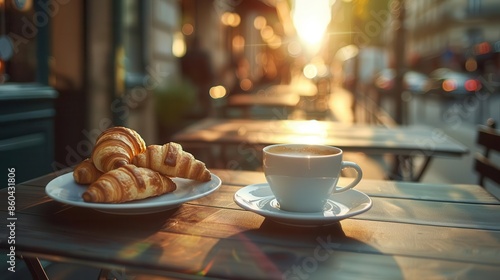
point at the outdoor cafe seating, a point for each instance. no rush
(489, 139)
(228, 227)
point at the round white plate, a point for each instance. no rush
(259, 198)
(65, 190)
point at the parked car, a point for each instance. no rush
(413, 81)
(445, 81)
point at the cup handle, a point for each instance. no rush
(359, 175)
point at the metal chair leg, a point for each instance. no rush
(35, 268)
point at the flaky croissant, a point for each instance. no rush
(116, 147)
(171, 160)
(86, 172)
(127, 183)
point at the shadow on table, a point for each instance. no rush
(276, 251)
(99, 223)
(100, 233)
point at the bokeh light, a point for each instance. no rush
(238, 43)
(187, 29)
(310, 71)
(230, 19)
(294, 48)
(217, 92)
(275, 42)
(178, 45)
(259, 22)
(267, 32)
(449, 85)
(246, 84)
(471, 64)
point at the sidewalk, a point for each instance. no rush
(440, 170)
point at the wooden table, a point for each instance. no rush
(409, 141)
(412, 231)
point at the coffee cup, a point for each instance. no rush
(302, 177)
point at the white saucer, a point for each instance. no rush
(65, 190)
(259, 198)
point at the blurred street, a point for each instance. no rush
(457, 117)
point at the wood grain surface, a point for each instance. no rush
(413, 230)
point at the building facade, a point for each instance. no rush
(446, 33)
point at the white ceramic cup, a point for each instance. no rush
(303, 176)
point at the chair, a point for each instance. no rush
(488, 137)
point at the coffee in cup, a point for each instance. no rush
(303, 176)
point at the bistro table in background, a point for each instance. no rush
(280, 98)
(412, 231)
(411, 141)
(270, 99)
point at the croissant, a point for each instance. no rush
(115, 147)
(171, 160)
(86, 172)
(127, 183)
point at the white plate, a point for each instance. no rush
(65, 190)
(260, 199)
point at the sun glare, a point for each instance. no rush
(311, 19)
